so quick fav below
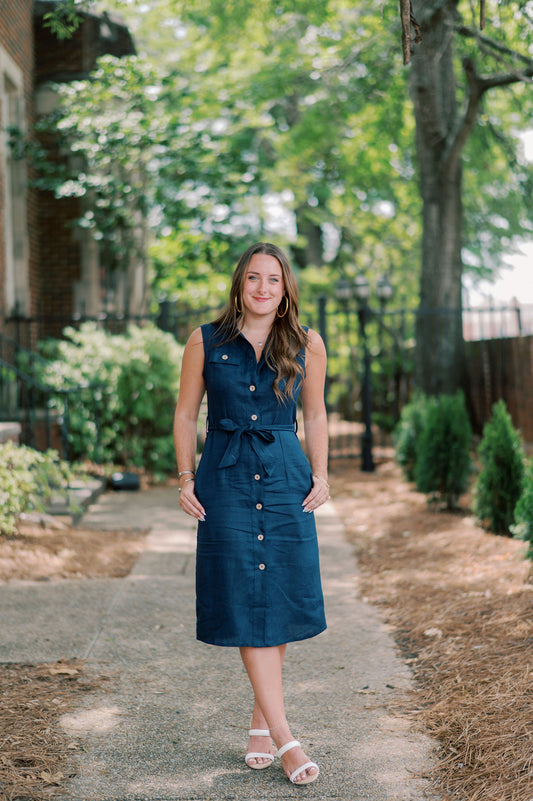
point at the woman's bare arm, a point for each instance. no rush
(191, 392)
(315, 420)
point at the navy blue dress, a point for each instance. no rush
(257, 568)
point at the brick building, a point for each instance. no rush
(48, 268)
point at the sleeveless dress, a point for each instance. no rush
(257, 567)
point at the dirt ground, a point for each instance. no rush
(32, 752)
(33, 697)
(459, 602)
(44, 554)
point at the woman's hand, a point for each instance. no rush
(189, 502)
(318, 495)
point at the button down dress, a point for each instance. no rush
(257, 567)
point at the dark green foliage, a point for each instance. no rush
(500, 481)
(523, 528)
(408, 432)
(443, 461)
(137, 376)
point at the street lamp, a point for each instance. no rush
(359, 289)
(362, 293)
(344, 293)
(384, 290)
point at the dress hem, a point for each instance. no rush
(272, 644)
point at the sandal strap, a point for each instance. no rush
(287, 747)
(257, 754)
(301, 769)
(258, 733)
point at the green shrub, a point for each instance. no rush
(133, 382)
(523, 528)
(443, 461)
(499, 484)
(28, 479)
(408, 431)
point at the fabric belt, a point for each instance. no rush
(260, 437)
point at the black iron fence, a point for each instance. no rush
(370, 367)
(177, 319)
(371, 371)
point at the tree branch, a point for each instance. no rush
(477, 86)
(409, 25)
(466, 125)
(506, 79)
(473, 33)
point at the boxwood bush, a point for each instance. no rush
(523, 528)
(132, 384)
(408, 432)
(443, 463)
(500, 481)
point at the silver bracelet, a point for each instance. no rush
(184, 472)
(186, 480)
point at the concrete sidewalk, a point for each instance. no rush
(170, 723)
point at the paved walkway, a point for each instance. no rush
(170, 723)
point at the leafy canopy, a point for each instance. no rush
(245, 121)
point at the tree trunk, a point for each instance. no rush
(439, 349)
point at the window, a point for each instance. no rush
(13, 171)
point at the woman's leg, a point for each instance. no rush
(262, 744)
(263, 666)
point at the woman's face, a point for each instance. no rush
(263, 286)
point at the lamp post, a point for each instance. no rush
(362, 292)
(384, 292)
(344, 294)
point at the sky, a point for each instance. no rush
(515, 282)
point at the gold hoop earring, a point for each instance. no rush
(286, 307)
(239, 311)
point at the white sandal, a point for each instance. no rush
(311, 776)
(257, 754)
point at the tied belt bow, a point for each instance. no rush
(260, 437)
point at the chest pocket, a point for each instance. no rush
(222, 369)
(224, 358)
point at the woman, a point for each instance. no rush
(257, 574)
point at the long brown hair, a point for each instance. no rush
(287, 337)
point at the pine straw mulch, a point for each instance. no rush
(460, 601)
(44, 552)
(32, 749)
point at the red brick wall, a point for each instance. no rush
(60, 253)
(76, 56)
(54, 255)
(60, 261)
(2, 224)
